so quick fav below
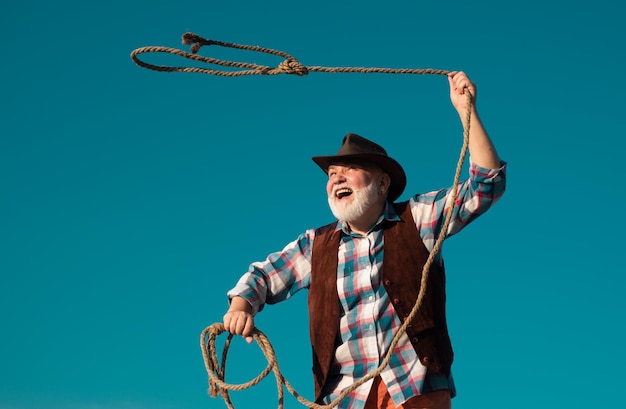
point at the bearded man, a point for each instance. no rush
(363, 273)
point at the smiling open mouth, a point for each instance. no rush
(343, 192)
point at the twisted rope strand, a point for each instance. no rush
(215, 371)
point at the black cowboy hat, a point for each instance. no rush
(355, 148)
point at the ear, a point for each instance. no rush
(384, 183)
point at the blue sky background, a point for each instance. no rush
(132, 200)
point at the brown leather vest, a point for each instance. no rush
(403, 261)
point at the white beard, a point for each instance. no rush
(361, 201)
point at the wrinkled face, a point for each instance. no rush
(352, 190)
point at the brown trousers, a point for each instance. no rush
(379, 398)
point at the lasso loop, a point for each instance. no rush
(290, 65)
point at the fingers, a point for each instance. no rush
(459, 81)
(451, 81)
(239, 323)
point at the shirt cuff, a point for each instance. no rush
(247, 294)
(487, 173)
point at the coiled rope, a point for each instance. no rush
(216, 370)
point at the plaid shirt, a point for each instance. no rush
(368, 321)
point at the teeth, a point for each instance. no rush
(343, 192)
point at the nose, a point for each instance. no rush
(337, 177)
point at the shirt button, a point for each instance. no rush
(396, 301)
(387, 282)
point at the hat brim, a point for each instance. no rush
(387, 164)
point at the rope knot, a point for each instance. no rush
(292, 67)
(195, 41)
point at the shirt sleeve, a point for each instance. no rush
(475, 196)
(280, 276)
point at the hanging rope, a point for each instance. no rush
(290, 65)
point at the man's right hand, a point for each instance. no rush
(239, 320)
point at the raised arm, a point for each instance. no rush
(482, 151)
